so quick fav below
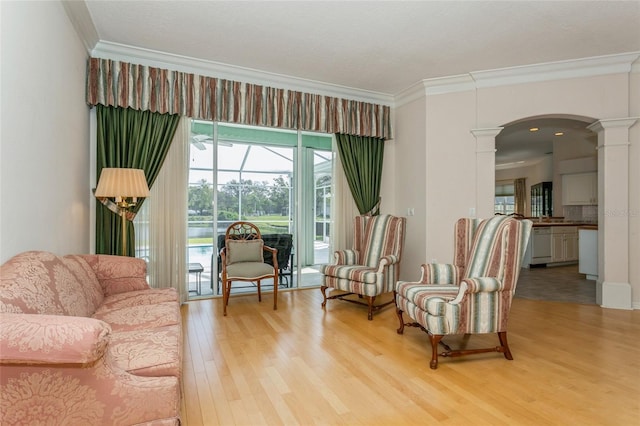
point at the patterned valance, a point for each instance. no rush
(121, 84)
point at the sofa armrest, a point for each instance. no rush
(119, 274)
(51, 339)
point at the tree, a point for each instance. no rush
(257, 197)
(279, 196)
(201, 198)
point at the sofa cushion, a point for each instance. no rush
(38, 282)
(117, 275)
(150, 352)
(139, 297)
(91, 291)
(51, 339)
(140, 317)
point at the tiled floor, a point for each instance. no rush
(558, 283)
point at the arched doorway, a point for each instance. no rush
(537, 154)
(613, 288)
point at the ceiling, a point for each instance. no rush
(378, 46)
(518, 146)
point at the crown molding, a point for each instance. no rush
(81, 20)
(120, 52)
(635, 66)
(575, 68)
(584, 67)
(435, 86)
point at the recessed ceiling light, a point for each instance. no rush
(559, 133)
(533, 129)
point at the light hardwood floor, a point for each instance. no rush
(574, 364)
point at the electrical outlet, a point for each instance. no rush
(472, 212)
(411, 211)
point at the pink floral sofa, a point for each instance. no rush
(84, 340)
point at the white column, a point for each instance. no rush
(485, 170)
(613, 289)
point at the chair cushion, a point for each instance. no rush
(244, 251)
(249, 270)
(358, 273)
(420, 293)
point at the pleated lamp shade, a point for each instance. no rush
(117, 182)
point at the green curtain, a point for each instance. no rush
(361, 158)
(135, 139)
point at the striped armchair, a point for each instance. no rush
(372, 267)
(473, 295)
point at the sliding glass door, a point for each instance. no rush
(269, 177)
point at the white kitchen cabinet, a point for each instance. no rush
(588, 262)
(580, 189)
(564, 244)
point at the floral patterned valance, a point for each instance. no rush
(121, 84)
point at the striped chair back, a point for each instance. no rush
(497, 247)
(464, 233)
(378, 236)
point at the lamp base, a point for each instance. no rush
(123, 219)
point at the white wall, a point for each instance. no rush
(44, 151)
(450, 186)
(634, 188)
(410, 159)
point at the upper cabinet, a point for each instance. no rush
(580, 189)
(542, 199)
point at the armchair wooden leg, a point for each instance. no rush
(400, 330)
(323, 289)
(259, 292)
(225, 295)
(502, 336)
(275, 293)
(370, 300)
(435, 340)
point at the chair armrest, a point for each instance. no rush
(477, 285)
(274, 254)
(51, 339)
(386, 261)
(440, 273)
(483, 285)
(346, 257)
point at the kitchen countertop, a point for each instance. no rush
(590, 227)
(545, 224)
(558, 221)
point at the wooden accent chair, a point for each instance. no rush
(281, 242)
(473, 295)
(243, 260)
(372, 267)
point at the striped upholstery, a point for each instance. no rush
(372, 266)
(474, 294)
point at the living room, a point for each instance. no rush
(443, 134)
